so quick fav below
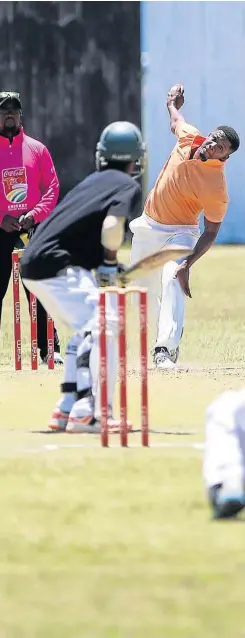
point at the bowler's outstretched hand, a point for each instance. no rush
(183, 276)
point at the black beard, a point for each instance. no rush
(10, 132)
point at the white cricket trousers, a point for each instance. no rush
(224, 456)
(72, 298)
(166, 300)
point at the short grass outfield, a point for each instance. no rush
(119, 543)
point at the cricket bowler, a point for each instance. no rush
(191, 181)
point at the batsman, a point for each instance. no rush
(73, 252)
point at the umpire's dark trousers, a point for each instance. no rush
(7, 244)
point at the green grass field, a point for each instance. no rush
(117, 543)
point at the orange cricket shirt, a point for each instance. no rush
(186, 187)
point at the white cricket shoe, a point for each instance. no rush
(57, 359)
(81, 420)
(60, 415)
(165, 359)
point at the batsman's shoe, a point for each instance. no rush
(114, 425)
(60, 415)
(58, 359)
(92, 426)
(59, 420)
(165, 359)
(81, 420)
(82, 425)
(226, 502)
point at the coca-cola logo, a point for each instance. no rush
(18, 349)
(122, 367)
(102, 323)
(34, 311)
(142, 317)
(121, 320)
(15, 172)
(17, 311)
(34, 349)
(103, 374)
(16, 273)
(103, 417)
(144, 364)
(50, 347)
(144, 417)
(103, 369)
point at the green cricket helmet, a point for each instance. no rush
(121, 142)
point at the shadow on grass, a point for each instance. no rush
(165, 432)
(47, 431)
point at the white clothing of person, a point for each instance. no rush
(82, 235)
(166, 299)
(224, 456)
(71, 298)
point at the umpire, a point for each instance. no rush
(29, 190)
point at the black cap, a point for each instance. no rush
(11, 96)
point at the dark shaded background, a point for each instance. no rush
(77, 67)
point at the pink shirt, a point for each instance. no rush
(28, 178)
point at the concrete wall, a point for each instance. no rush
(202, 45)
(77, 66)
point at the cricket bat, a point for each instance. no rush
(152, 262)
